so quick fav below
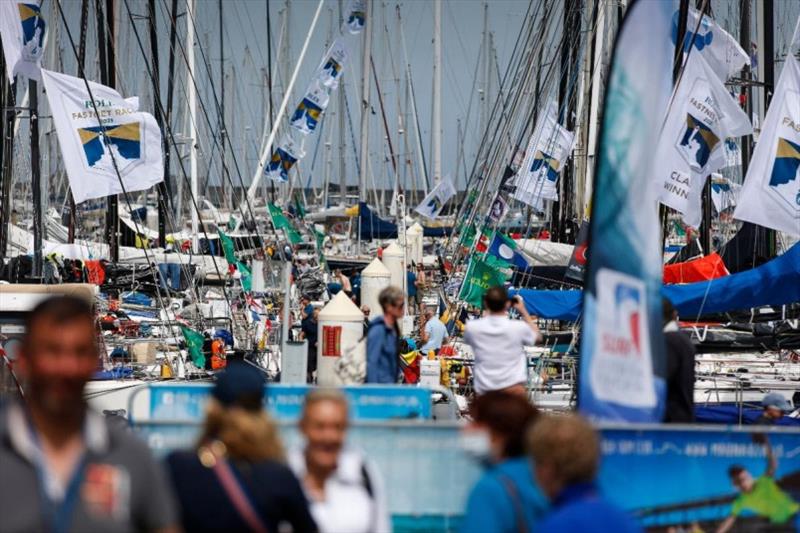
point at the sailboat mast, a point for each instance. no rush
(365, 105)
(73, 215)
(222, 132)
(36, 178)
(173, 34)
(190, 37)
(6, 153)
(108, 78)
(436, 112)
(342, 131)
(163, 187)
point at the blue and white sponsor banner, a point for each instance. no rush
(23, 31)
(356, 16)
(100, 138)
(622, 345)
(771, 192)
(697, 480)
(701, 116)
(186, 402)
(283, 159)
(433, 203)
(309, 112)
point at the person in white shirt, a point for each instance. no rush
(498, 343)
(432, 332)
(345, 492)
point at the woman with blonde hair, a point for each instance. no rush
(235, 479)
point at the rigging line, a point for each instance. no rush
(214, 139)
(529, 35)
(185, 176)
(111, 152)
(505, 103)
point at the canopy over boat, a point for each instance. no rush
(774, 283)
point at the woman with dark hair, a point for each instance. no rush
(506, 498)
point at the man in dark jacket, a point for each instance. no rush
(680, 369)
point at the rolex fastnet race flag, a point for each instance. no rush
(95, 144)
(433, 203)
(702, 115)
(719, 48)
(548, 150)
(22, 29)
(770, 195)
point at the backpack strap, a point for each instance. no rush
(238, 497)
(516, 502)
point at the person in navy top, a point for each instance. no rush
(566, 451)
(506, 499)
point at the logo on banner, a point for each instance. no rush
(306, 116)
(280, 164)
(629, 312)
(545, 165)
(697, 142)
(784, 171)
(331, 72)
(32, 31)
(98, 142)
(702, 38)
(499, 209)
(356, 21)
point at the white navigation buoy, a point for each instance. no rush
(414, 242)
(374, 279)
(393, 260)
(341, 326)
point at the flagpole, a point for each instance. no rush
(436, 115)
(193, 117)
(365, 104)
(266, 152)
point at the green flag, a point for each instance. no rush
(320, 238)
(480, 276)
(299, 207)
(294, 235)
(227, 247)
(231, 223)
(468, 236)
(279, 220)
(194, 343)
(247, 278)
(679, 229)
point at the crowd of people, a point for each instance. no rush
(64, 467)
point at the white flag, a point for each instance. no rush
(499, 209)
(356, 16)
(127, 136)
(22, 29)
(723, 192)
(770, 195)
(332, 66)
(701, 116)
(309, 112)
(283, 159)
(719, 48)
(548, 151)
(433, 203)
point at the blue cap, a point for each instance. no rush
(774, 399)
(240, 384)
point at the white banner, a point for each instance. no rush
(22, 29)
(771, 192)
(283, 159)
(332, 66)
(499, 209)
(356, 16)
(309, 112)
(702, 115)
(433, 203)
(719, 48)
(548, 151)
(90, 145)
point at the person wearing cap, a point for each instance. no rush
(775, 406)
(235, 479)
(63, 466)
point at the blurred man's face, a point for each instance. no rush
(773, 412)
(743, 481)
(57, 361)
(396, 309)
(325, 428)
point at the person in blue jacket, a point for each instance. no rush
(383, 337)
(566, 450)
(506, 498)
